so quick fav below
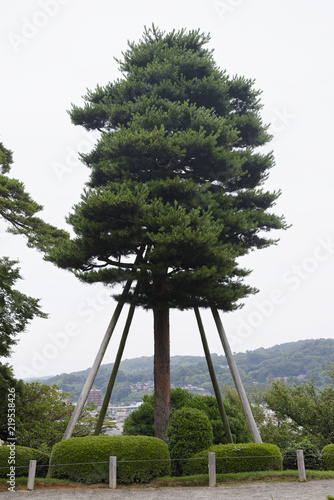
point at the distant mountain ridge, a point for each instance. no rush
(298, 361)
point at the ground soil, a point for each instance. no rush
(257, 490)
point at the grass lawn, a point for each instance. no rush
(199, 480)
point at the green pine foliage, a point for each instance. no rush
(174, 196)
(86, 459)
(16, 308)
(19, 210)
(233, 458)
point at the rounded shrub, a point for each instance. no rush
(328, 457)
(20, 456)
(189, 431)
(140, 422)
(248, 457)
(139, 458)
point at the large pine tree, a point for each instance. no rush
(174, 196)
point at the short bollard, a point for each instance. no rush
(112, 472)
(31, 474)
(301, 465)
(212, 469)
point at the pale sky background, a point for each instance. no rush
(53, 50)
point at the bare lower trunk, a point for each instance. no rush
(161, 372)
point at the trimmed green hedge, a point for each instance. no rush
(19, 457)
(328, 457)
(139, 459)
(248, 457)
(189, 431)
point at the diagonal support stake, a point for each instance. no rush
(213, 377)
(98, 360)
(114, 372)
(96, 365)
(236, 377)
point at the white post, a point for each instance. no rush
(112, 472)
(212, 469)
(301, 465)
(31, 474)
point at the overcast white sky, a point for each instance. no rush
(53, 50)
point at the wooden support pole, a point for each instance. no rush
(31, 474)
(114, 372)
(212, 470)
(301, 465)
(98, 360)
(113, 472)
(96, 365)
(213, 377)
(236, 377)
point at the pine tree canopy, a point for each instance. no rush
(19, 210)
(175, 194)
(16, 308)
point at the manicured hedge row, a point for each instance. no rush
(139, 458)
(249, 457)
(328, 457)
(19, 457)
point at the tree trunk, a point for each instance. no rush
(161, 371)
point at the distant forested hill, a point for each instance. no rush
(297, 360)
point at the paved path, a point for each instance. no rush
(311, 490)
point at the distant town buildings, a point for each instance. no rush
(147, 387)
(95, 396)
(119, 413)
